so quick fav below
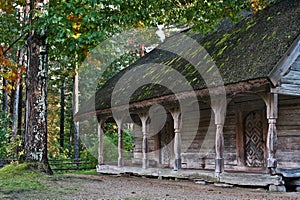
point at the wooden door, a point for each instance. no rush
(166, 144)
(254, 139)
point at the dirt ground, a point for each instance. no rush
(129, 187)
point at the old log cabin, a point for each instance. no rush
(229, 101)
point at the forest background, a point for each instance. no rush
(43, 44)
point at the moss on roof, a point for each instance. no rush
(249, 50)
(252, 48)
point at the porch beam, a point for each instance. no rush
(119, 121)
(219, 107)
(145, 129)
(100, 141)
(271, 101)
(176, 114)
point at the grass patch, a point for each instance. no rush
(85, 172)
(18, 177)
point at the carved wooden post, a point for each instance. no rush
(176, 114)
(219, 108)
(271, 101)
(100, 141)
(119, 122)
(145, 120)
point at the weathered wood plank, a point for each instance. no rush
(288, 89)
(292, 87)
(288, 173)
(288, 164)
(288, 119)
(250, 179)
(296, 64)
(292, 75)
(292, 81)
(291, 147)
(288, 156)
(285, 132)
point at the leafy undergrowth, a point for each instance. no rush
(19, 178)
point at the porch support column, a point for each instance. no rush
(271, 101)
(100, 141)
(176, 114)
(145, 121)
(119, 122)
(219, 107)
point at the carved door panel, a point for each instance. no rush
(254, 139)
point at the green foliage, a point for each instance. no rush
(110, 143)
(76, 27)
(110, 150)
(117, 65)
(57, 76)
(4, 134)
(10, 29)
(91, 160)
(112, 135)
(8, 145)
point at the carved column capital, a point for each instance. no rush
(145, 121)
(176, 114)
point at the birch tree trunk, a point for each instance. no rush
(15, 113)
(4, 97)
(36, 103)
(62, 115)
(15, 104)
(76, 124)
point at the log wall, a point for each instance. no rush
(198, 148)
(288, 132)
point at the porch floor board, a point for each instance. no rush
(233, 178)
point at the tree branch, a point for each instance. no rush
(12, 44)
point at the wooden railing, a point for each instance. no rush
(71, 164)
(61, 164)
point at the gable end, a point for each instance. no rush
(283, 68)
(289, 82)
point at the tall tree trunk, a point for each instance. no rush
(62, 114)
(20, 127)
(15, 104)
(15, 113)
(4, 97)
(71, 132)
(36, 103)
(76, 124)
(20, 123)
(11, 102)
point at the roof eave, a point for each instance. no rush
(231, 89)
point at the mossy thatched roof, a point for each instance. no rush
(247, 51)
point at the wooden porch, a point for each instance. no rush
(206, 176)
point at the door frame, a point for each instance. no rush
(241, 114)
